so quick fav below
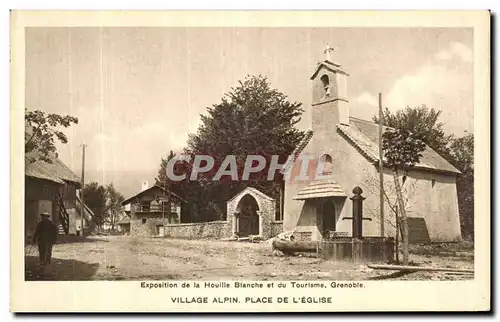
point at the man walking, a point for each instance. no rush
(45, 236)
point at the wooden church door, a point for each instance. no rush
(328, 218)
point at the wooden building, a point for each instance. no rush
(152, 209)
(52, 187)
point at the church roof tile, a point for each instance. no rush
(321, 189)
(364, 135)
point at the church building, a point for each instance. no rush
(320, 208)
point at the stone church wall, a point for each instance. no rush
(267, 211)
(276, 228)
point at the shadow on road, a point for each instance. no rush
(59, 270)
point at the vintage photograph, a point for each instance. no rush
(249, 153)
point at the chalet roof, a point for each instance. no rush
(364, 135)
(56, 171)
(321, 189)
(130, 199)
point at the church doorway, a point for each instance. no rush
(247, 217)
(328, 218)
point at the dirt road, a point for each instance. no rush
(131, 258)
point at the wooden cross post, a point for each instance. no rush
(357, 213)
(328, 50)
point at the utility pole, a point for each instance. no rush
(163, 205)
(83, 185)
(169, 205)
(381, 163)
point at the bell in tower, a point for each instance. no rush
(329, 90)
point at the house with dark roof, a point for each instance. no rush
(344, 153)
(51, 186)
(151, 210)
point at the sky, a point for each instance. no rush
(138, 92)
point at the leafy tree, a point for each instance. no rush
(162, 173)
(114, 208)
(94, 196)
(252, 119)
(402, 150)
(424, 121)
(163, 181)
(462, 152)
(392, 218)
(421, 121)
(40, 130)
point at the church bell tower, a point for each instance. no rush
(329, 91)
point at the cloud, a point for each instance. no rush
(439, 87)
(367, 98)
(463, 51)
(445, 87)
(103, 138)
(444, 55)
(456, 49)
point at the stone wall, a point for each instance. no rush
(147, 229)
(276, 228)
(211, 229)
(266, 212)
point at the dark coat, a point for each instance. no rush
(46, 232)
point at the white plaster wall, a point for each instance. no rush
(350, 168)
(293, 208)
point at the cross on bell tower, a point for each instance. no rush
(328, 50)
(329, 95)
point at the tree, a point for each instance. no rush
(402, 150)
(162, 173)
(408, 189)
(114, 208)
(95, 198)
(421, 121)
(252, 118)
(458, 151)
(462, 152)
(40, 130)
(162, 179)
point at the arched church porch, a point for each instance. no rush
(252, 213)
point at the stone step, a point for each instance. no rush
(61, 230)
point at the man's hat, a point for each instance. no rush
(45, 214)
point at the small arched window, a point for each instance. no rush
(326, 84)
(325, 165)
